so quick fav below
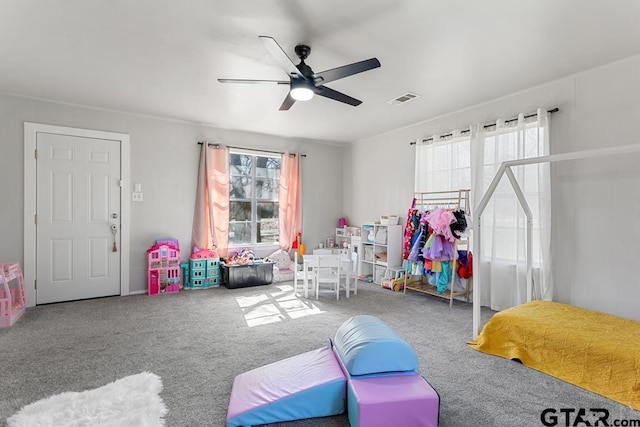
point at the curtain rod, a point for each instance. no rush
(553, 110)
(209, 144)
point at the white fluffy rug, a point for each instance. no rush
(130, 401)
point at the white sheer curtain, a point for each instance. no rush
(503, 221)
(443, 164)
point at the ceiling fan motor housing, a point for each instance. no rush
(302, 51)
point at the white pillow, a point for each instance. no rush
(280, 258)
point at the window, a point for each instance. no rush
(448, 165)
(503, 220)
(443, 165)
(253, 198)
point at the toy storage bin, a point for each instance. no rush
(389, 220)
(378, 274)
(240, 276)
(368, 253)
(367, 233)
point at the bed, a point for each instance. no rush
(595, 351)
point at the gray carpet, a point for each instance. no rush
(198, 341)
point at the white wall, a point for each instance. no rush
(596, 204)
(164, 158)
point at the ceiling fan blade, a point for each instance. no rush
(346, 71)
(275, 82)
(338, 96)
(283, 60)
(287, 103)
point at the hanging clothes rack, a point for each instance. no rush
(454, 200)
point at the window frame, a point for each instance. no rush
(253, 199)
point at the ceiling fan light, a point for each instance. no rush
(301, 93)
(301, 90)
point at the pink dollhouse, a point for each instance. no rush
(12, 299)
(163, 269)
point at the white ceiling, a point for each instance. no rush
(163, 57)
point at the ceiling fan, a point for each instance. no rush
(303, 82)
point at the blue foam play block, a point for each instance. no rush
(308, 385)
(366, 345)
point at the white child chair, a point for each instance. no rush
(328, 272)
(307, 276)
(349, 271)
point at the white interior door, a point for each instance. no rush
(78, 217)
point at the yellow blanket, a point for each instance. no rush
(596, 351)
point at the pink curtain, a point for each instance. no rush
(290, 199)
(211, 213)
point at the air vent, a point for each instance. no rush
(404, 98)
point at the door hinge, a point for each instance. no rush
(121, 183)
(35, 153)
(35, 219)
(35, 284)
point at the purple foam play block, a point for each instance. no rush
(308, 385)
(397, 400)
